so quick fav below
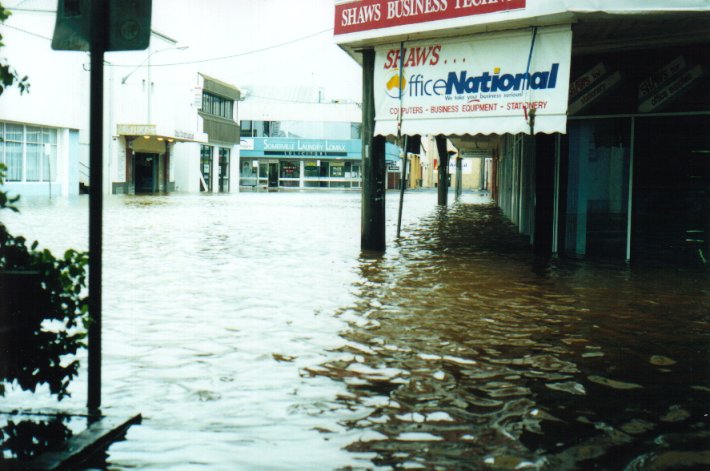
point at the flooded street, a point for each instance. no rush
(251, 333)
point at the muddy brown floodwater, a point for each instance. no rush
(251, 333)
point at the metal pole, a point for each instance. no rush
(459, 177)
(98, 46)
(629, 214)
(372, 232)
(556, 210)
(403, 185)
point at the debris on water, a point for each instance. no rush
(613, 383)
(660, 360)
(592, 354)
(418, 437)
(637, 426)
(675, 414)
(568, 387)
(207, 396)
(285, 358)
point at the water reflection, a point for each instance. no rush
(251, 334)
(23, 438)
(465, 351)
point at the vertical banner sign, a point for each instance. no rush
(479, 84)
(366, 15)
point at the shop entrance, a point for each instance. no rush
(224, 155)
(672, 189)
(145, 171)
(273, 175)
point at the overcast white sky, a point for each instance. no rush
(216, 28)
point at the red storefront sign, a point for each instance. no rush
(365, 15)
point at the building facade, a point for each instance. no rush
(40, 138)
(296, 140)
(594, 115)
(165, 128)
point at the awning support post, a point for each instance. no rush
(459, 177)
(403, 183)
(373, 164)
(443, 170)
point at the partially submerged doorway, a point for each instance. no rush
(145, 171)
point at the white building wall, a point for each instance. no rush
(186, 166)
(138, 90)
(59, 80)
(57, 96)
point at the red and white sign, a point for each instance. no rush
(366, 15)
(481, 84)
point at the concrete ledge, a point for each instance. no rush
(99, 435)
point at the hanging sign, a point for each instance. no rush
(466, 166)
(475, 85)
(365, 15)
(672, 89)
(593, 94)
(661, 77)
(582, 83)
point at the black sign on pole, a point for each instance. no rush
(127, 23)
(99, 26)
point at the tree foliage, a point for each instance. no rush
(46, 315)
(43, 302)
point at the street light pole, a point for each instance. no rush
(149, 87)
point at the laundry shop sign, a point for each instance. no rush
(303, 145)
(365, 15)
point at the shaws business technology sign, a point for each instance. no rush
(365, 15)
(476, 85)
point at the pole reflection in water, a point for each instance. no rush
(252, 334)
(464, 351)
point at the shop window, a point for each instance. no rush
(311, 169)
(206, 167)
(29, 152)
(355, 130)
(290, 169)
(337, 169)
(598, 187)
(324, 169)
(246, 128)
(217, 106)
(224, 163)
(653, 80)
(672, 190)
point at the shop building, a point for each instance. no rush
(187, 133)
(40, 138)
(272, 163)
(212, 164)
(165, 128)
(595, 115)
(281, 149)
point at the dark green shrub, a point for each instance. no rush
(43, 311)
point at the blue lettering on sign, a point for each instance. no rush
(461, 83)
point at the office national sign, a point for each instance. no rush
(479, 84)
(365, 15)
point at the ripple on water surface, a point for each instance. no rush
(252, 334)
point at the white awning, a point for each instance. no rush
(495, 83)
